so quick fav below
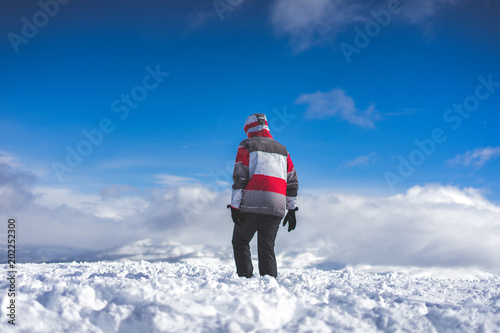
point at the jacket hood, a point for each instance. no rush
(256, 125)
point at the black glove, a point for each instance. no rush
(290, 218)
(235, 215)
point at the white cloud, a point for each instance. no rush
(362, 160)
(116, 191)
(336, 103)
(307, 23)
(200, 18)
(419, 12)
(435, 194)
(14, 187)
(477, 157)
(7, 158)
(172, 180)
(109, 204)
(427, 225)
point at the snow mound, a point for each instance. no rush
(141, 296)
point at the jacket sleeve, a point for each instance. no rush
(240, 175)
(292, 185)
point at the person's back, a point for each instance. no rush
(265, 185)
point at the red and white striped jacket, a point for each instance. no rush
(265, 180)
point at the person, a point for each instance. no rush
(265, 187)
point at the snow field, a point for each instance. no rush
(133, 296)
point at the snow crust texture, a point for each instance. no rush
(132, 296)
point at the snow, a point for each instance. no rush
(193, 296)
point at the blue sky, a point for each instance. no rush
(388, 160)
(262, 56)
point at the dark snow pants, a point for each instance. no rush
(266, 227)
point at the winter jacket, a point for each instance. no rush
(264, 177)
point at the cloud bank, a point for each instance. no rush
(426, 226)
